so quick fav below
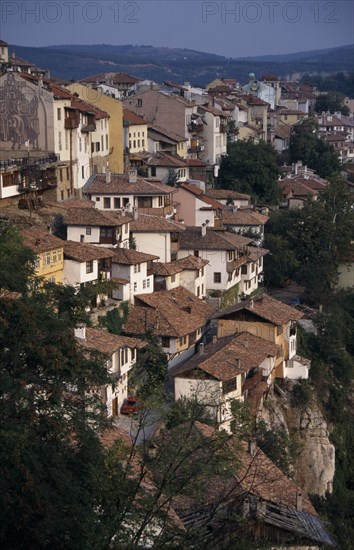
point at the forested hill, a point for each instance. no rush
(78, 61)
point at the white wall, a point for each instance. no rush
(158, 244)
(74, 233)
(74, 273)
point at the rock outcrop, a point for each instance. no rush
(315, 462)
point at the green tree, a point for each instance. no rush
(251, 168)
(114, 319)
(149, 374)
(172, 177)
(49, 449)
(332, 102)
(313, 151)
(16, 261)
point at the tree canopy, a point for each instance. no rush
(251, 168)
(313, 151)
(332, 102)
(307, 244)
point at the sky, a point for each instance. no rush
(231, 28)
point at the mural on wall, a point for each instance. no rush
(25, 110)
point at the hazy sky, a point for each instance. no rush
(230, 28)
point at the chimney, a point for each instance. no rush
(201, 348)
(252, 304)
(80, 331)
(203, 229)
(108, 176)
(299, 501)
(245, 343)
(132, 175)
(129, 207)
(252, 447)
(123, 211)
(215, 339)
(135, 213)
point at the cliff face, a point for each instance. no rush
(314, 466)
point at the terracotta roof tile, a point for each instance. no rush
(120, 185)
(108, 343)
(267, 308)
(230, 216)
(127, 256)
(173, 313)
(94, 217)
(83, 252)
(40, 241)
(132, 118)
(224, 194)
(198, 192)
(214, 239)
(151, 224)
(229, 357)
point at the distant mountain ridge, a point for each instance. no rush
(73, 62)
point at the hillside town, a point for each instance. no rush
(117, 188)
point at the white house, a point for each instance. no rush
(121, 353)
(195, 206)
(117, 192)
(225, 252)
(134, 272)
(86, 263)
(157, 236)
(90, 225)
(188, 272)
(225, 370)
(177, 317)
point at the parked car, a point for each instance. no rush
(130, 405)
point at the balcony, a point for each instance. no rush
(196, 148)
(231, 266)
(252, 381)
(88, 128)
(71, 122)
(195, 126)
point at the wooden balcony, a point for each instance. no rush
(252, 381)
(72, 122)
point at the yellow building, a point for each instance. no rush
(49, 253)
(290, 116)
(114, 108)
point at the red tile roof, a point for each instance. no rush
(120, 185)
(108, 343)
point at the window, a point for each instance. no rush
(106, 202)
(198, 291)
(37, 263)
(139, 102)
(116, 202)
(59, 114)
(173, 278)
(148, 283)
(165, 341)
(88, 230)
(196, 253)
(97, 146)
(68, 173)
(92, 147)
(54, 256)
(153, 171)
(134, 143)
(80, 145)
(46, 259)
(244, 269)
(144, 283)
(229, 385)
(106, 141)
(102, 144)
(252, 268)
(59, 141)
(135, 287)
(82, 172)
(217, 277)
(89, 267)
(137, 268)
(143, 142)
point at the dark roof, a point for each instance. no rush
(173, 313)
(229, 357)
(120, 185)
(94, 217)
(267, 308)
(224, 194)
(192, 238)
(131, 257)
(107, 343)
(40, 241)
(152, 224)
(84, 252)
